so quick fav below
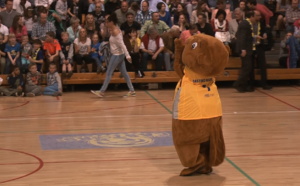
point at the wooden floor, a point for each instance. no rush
(261, 130)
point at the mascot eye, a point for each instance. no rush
(194, 45)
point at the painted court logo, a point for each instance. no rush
(106, 140)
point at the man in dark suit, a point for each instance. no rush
(244, 47)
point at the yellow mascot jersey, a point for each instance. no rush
(196, 98)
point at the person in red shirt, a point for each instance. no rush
(52, 48)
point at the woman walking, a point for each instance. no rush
(118, 51)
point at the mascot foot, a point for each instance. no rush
(190, 171)
(204, 170)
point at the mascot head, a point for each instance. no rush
(205, 55)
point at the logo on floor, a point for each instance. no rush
(106, 140)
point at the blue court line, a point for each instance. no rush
(227, 159)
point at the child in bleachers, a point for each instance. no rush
(66, 55)
(16, 82)
(95, 54)
(52, 49)
(13, 49)
(54, 87)
(25, 53)
(2, 54)
(33, 81)
(37, 54)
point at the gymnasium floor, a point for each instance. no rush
(79, 139)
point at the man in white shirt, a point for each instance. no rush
(19, 4)
(3, 30)
(152, 47)
(44, 3)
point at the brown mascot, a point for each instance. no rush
(197, 110)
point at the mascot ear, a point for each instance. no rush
(178, 64)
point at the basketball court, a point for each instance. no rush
(79, 139)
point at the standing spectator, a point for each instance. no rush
(292, 14)
(37, 54)
(220, 27)
(52, 49)
(8, 13)
(21, 5)
(121, 13)
(18, 28)
(2, 54)
(119, 52)
(169, 49)
(73, 30)
(160, 26)
(143, 15)
(16, 83)
(203, 26)
(130, 24)
(3, 30)
(164, 15)
(40, 28)
(82, 49)
(66, 55)
(152, 48)
(26, 49)
(13, 50)
(33, 81)
(54, 85)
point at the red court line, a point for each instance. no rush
(83, 111)
(23, 104)
(40, 162)
(278, 99)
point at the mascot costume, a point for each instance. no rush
(197, 110)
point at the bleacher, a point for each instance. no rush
(230, 74)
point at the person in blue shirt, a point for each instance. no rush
(13, 49)
(95, 53)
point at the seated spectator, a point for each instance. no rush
(233, 27)
(281, 7)
(42, 3)
(2, 54)
(37, 54)
(160, 26)
(179, 11)
(163, 14)
(133, 43)
(297, 29)
(92, 6)
(40, 28)
(130, 24)
(135, 7)
(8, 14)
(73, 8)
(153, 5)
(26, 49)
(66, 55)
(284, 51)
(112, 5)
(203, 26)
(95, 53)
(220, 27)
(190, 7)
(4, 30)
(143, 15)
(54, 85)
(182, 23)
(18, 28)
(82, 49)
(90, 26)
(61, 8)
(99, 14)
(152, 47)
(73, 30)
(16, 83)
(294, 51)
(33, 81)
(292, 14)
(121, 13)
(13, 50)
(29, 20)
(21, 5)
(83, 10)
(52, 49)
(169, 49)
(221, 6)
(188, 33)
(202, 8)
